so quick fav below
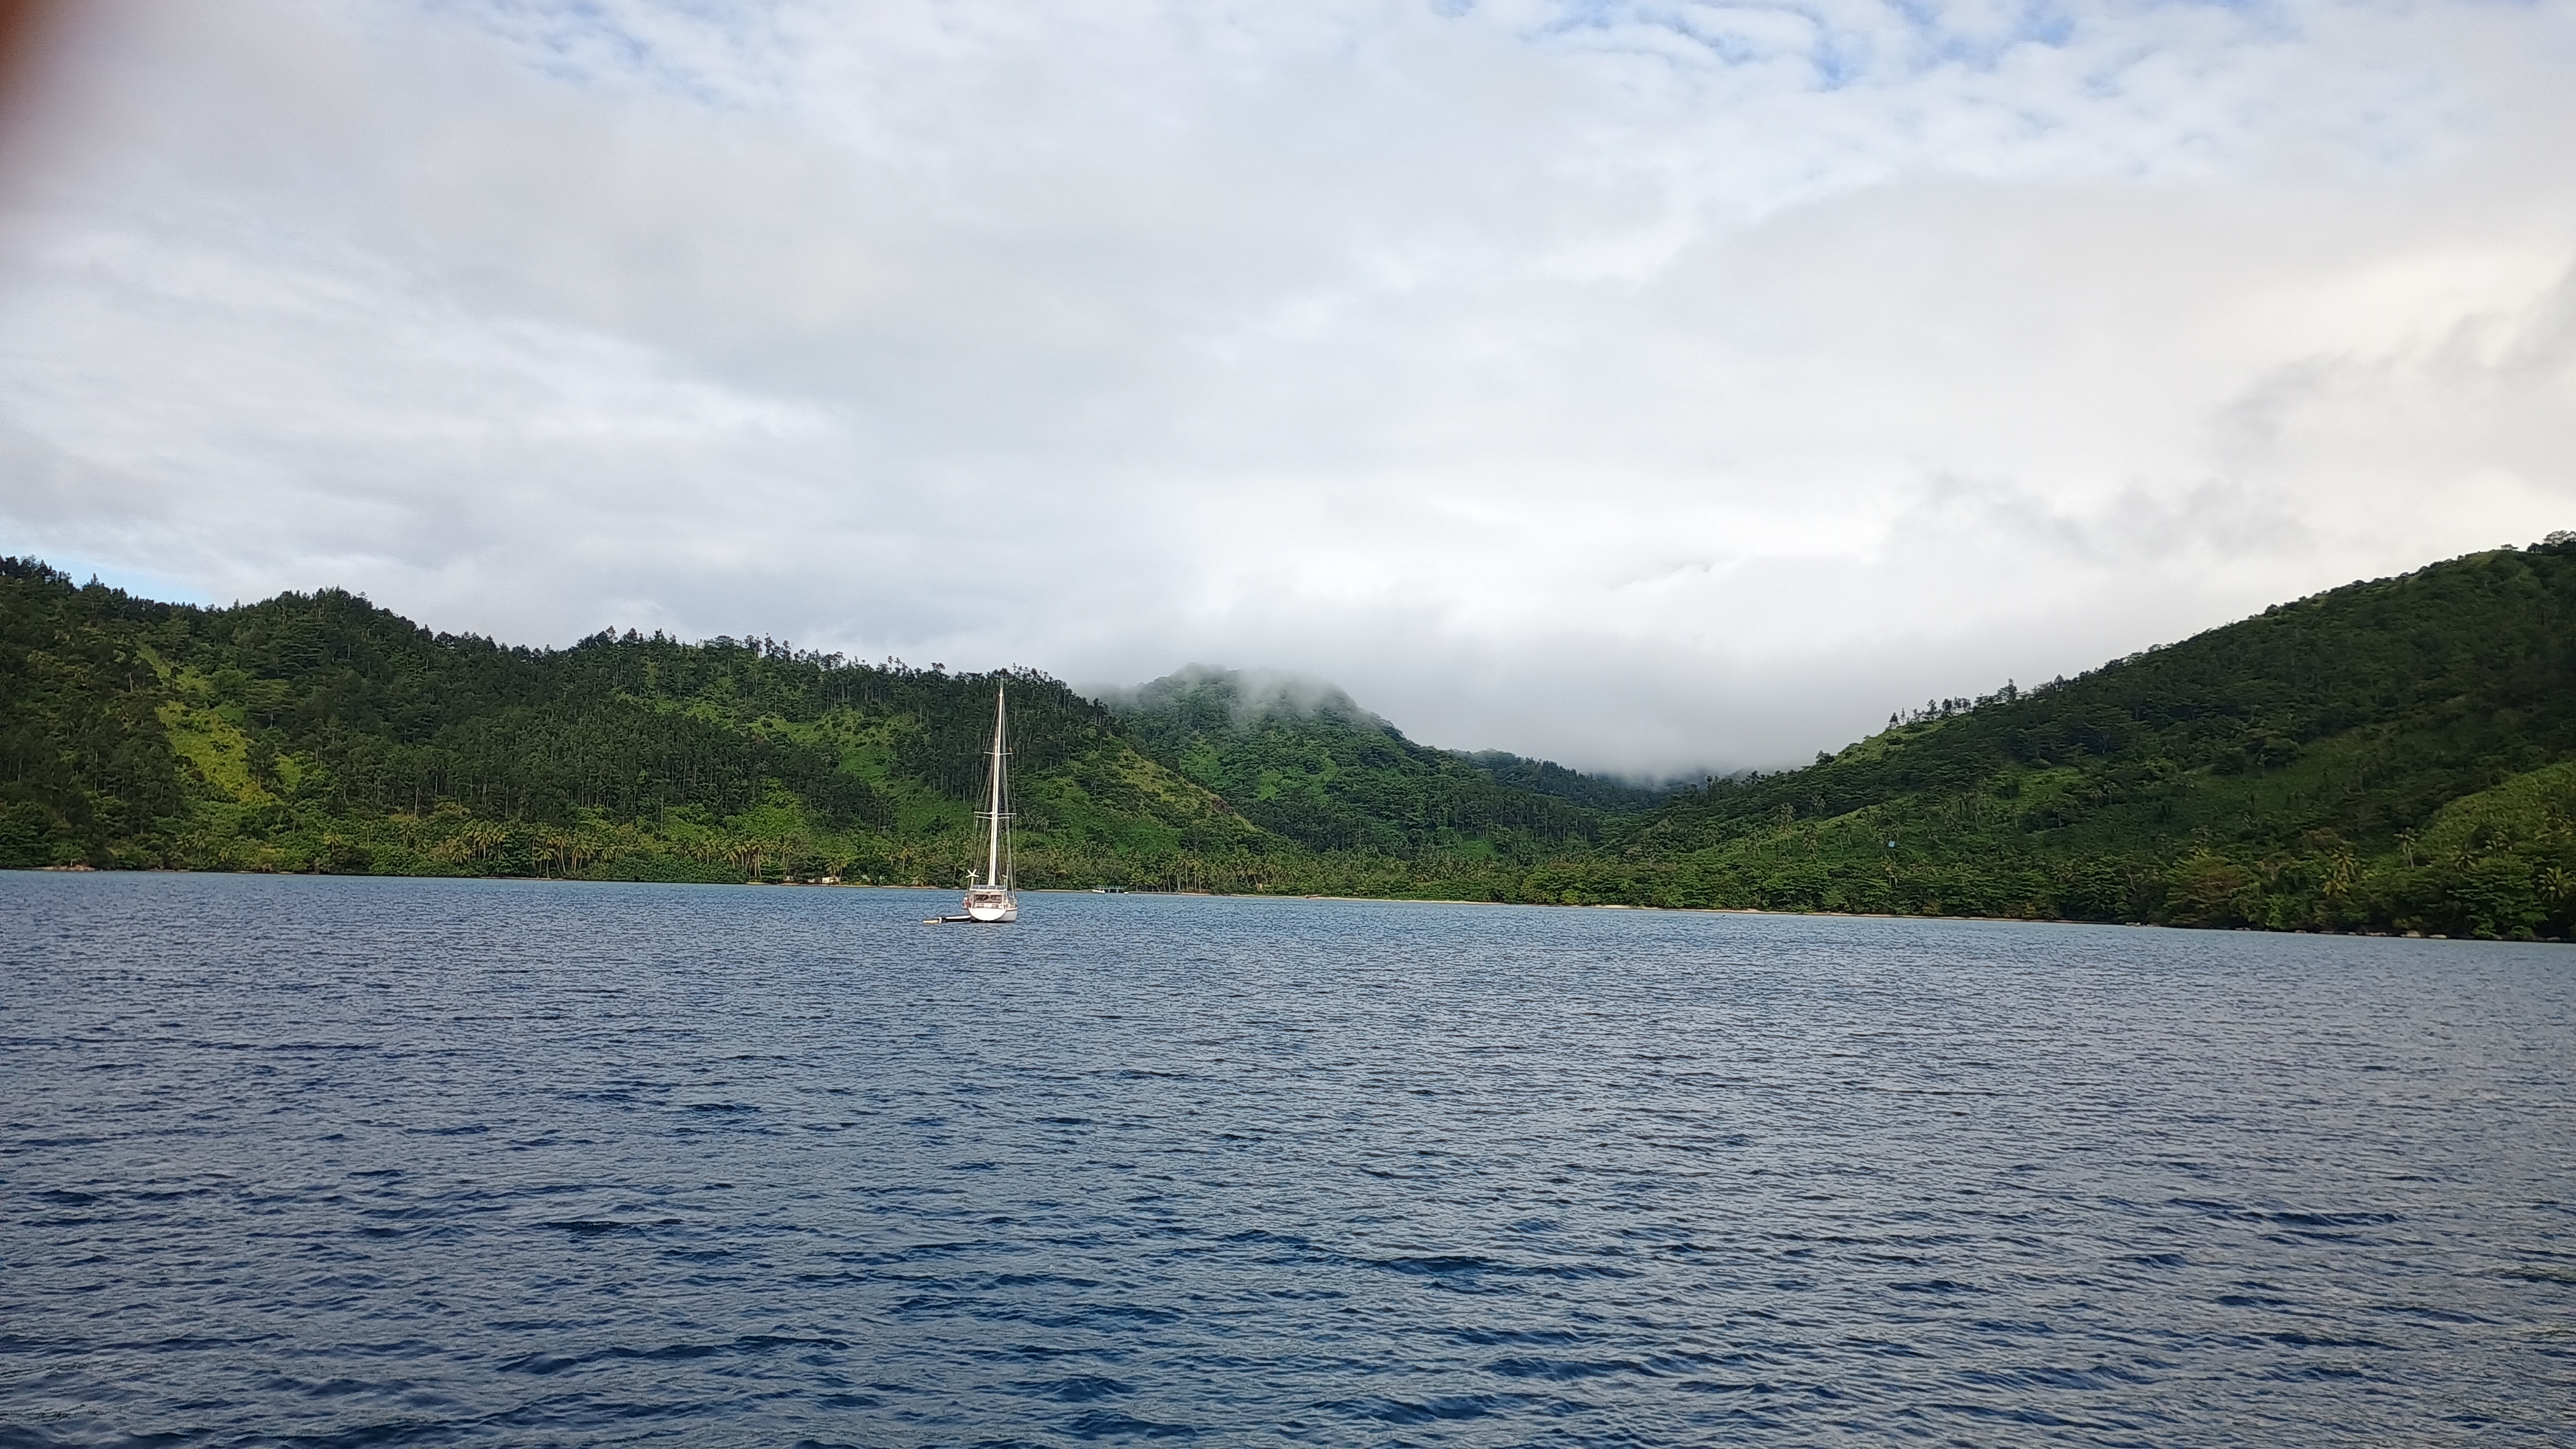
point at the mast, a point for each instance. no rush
(993, 846)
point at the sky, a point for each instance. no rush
(1654, 387)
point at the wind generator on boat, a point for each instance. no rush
(991, 898)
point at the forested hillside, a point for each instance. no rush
(2398, 754)
(2393, 755)
(318, 732)
(1304, 761)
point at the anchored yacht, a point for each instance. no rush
(990, 896)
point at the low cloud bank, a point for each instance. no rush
(1651, 390)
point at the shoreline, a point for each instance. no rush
(85, 869)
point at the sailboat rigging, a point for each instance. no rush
(991, 896)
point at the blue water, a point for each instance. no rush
(357, 1162)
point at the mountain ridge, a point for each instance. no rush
(1303, 760)
(2386, 755)
(2393, 755)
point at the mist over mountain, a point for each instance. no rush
(1303, 759)
(2396, 754)
(1646, 387)
(1205, 698)
(1547, 777)
(1242, 697)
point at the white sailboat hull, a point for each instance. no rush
(989, 897)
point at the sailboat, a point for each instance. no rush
(990, 897)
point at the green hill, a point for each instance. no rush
(2391, 755)
(1303, 761)
(318, 732)
(1611, 797)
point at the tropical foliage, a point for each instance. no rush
(318, 732)
(1308, 764)
(2394, 755)
(2390, 755)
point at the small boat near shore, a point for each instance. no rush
(991, 897)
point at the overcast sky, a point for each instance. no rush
(1652, 387)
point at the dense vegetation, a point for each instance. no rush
(2393, 755)
(319, 732)
(1307, 763)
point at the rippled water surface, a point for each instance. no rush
(357, 1161)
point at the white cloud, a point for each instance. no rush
(1650, 386)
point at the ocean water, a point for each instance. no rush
(341, 1162)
